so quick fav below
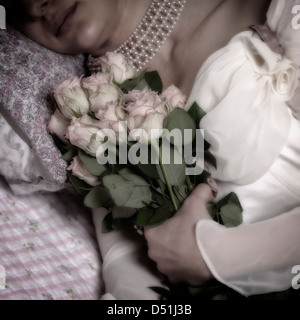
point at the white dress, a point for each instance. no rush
(254, 132)
(252, 126)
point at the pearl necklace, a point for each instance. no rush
(151, 33)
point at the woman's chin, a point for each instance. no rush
(86, 39)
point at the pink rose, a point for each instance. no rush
(150, 129)
(110, 117)
(71, 98)
(80, 171)
(92, 83)
(106, 94)
(58, 125)
(146, 111)
(83, 133)
(117, 66)
(175, 96)
(101, 91)
(141, 103)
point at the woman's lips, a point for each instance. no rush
(65, 20)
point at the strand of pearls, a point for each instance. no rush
(151, 33)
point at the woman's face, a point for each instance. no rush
(66, 26)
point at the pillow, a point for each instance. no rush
(29, 74)
(48, 245)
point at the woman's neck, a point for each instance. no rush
(128, 15)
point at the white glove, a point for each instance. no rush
(127, 271)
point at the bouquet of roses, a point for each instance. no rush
(135, 150)
(132, 147)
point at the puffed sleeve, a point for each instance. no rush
(248, 118)
(251, 96)
(252, 264)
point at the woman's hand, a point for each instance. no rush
(173, 246)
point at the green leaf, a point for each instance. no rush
(175, 171)
(149, 170)
(98, 197)
(116, 168)
(181, 193)
(91, 164)
(231, 215)
(151, 79)
(179, 119)
(119, 188)
(141, 85)
(107, 223)
(163, 292)
(151, 217)
(70, 154)
(80, 186)
(231, 210)
(154, 81)
(131, 84)
(110, 224)
(162, 214)
(105, 173)
(206, 145)
(77, 114)
(128, 189)
(122, 212)
(119, 224)
(162, 186)
(144, 215)
(212, 209)
(231, 198)
(158, 196)
(210, 159)
(141, 194)
(202, 178)
(196, 113)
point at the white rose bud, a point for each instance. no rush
(83, 132)
(58, 126)
(80, 171)
(92, 83)
(117, 66)
(71, 98)
(151, 128)
(146, 111)
(106, 94)
(174, 96)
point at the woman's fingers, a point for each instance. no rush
(195, 204)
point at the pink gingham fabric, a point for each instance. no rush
(48, 248)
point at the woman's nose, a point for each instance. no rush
(36, 8)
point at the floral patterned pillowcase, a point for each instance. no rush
(29, 74)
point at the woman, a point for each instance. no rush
(256, 146)
(99, 26)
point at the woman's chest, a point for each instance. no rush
(203, 29)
